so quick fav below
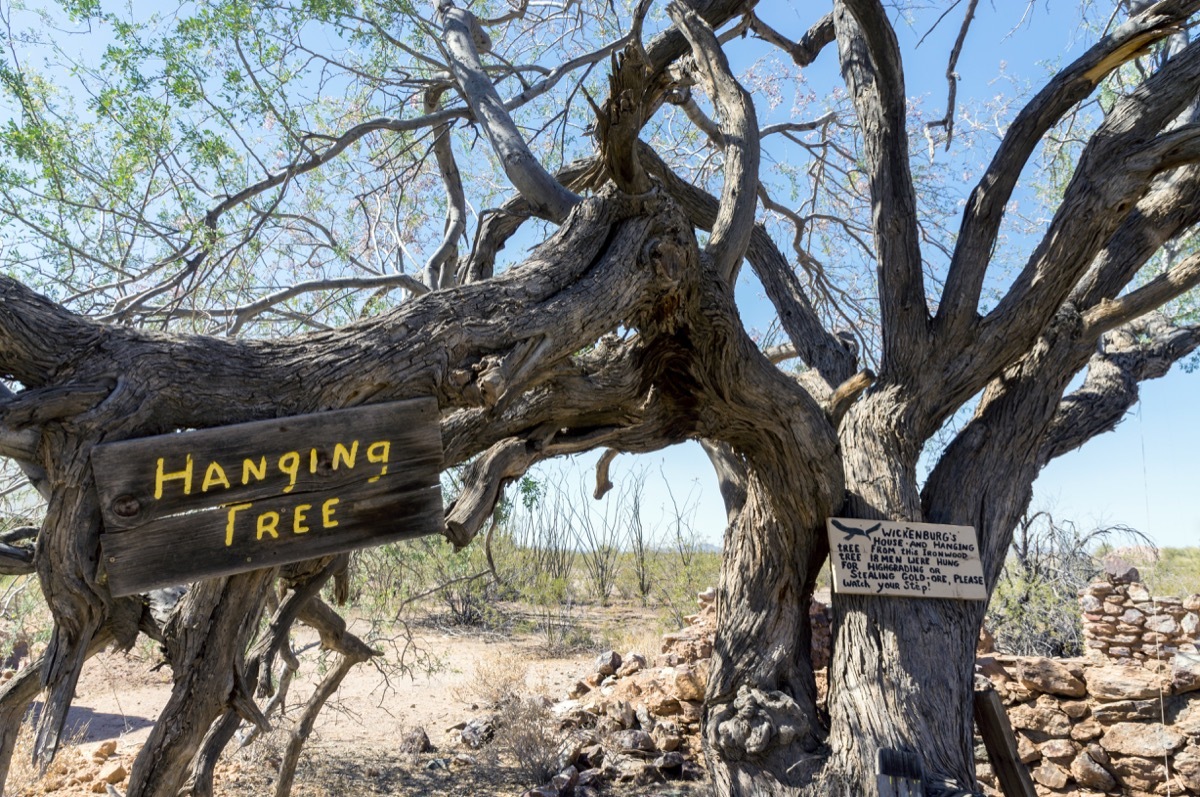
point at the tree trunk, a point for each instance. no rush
(210, 634)
(762, 729)
(901, 675)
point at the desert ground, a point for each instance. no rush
(449, 675)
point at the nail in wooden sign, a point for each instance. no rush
(910, 560)
(192, 505)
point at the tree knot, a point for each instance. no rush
(756, 722)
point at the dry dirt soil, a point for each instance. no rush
(354, 748)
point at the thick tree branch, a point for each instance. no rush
(669, 45)
(816, 346)
(739, 125)
(986, 205)
(803, 52)
(1170, 207)
(461, 33)
(874, 74)
(1143, 349)
(440, 269)
(1115, 171)
(1107, 315)
(500, 224)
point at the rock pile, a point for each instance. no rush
(75, 772)
(1085, 726)
(637, 719)
(1122, 620)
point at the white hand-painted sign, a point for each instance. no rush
(911, 560)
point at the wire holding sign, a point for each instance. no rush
(911, 560)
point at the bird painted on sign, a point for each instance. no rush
(850, 531)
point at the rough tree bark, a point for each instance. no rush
(621, 332)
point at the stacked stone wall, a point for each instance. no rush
(1124, 621)
(1125, 718)
(1095, 726)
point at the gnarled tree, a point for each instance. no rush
(229, 239)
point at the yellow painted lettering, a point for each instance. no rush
(185, 475)
(312, 461)
(213, 476)
(258, 471)
(233, 510)
(289, 463)
(268, 523)
(327, 520)
(378, 453)
(340, 454)
(298, 518)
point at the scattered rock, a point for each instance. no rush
(633, 741)
(113, 772)
(104, 750)
(1118, 571)
(566, 780)
(608, 662)
(415, 741)
(478, 732)
(690, 682)
(632, 663)
(670, 763)
(578, 689)
(666, 736)
(632, 770)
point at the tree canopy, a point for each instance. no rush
(248, 209)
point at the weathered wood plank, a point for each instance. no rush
(219, 501)
(179, 549)
(253, 460)
(1001, 744)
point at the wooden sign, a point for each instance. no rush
(910, 560)
(180, 507)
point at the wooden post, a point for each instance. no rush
(1001, 744)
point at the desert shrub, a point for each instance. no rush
(1034, 609)
(527, 734)
(495, 681)
(1174, 573)
(688, 564)
(556, 616)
